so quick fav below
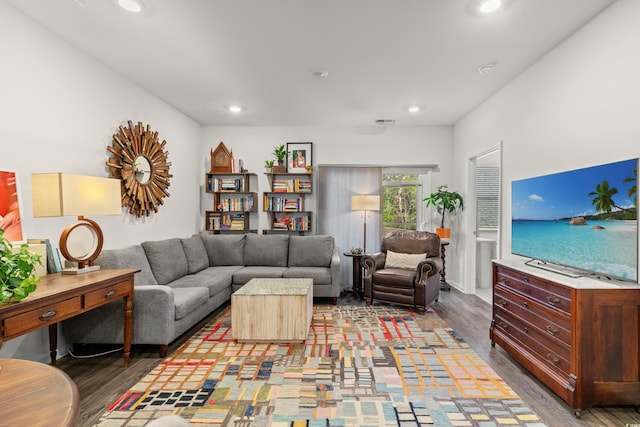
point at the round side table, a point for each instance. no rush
(35, 394)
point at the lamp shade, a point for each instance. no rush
(365, 203)
(62, 194)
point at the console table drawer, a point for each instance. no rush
(113, 292)
(547, 293)
(47, 315)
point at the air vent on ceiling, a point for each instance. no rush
(385, 122)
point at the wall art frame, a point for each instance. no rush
(299, 157)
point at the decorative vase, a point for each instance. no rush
(443, 233)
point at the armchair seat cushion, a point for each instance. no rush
(395, 277)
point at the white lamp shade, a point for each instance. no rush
(62, 194)
(365, 203)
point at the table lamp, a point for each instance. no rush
(62, 194)
(365, 203)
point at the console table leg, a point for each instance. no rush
(53, 343)
(128, 328)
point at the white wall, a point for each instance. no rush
(577, 106)
(58, 111)
(332, 146)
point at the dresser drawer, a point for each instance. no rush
(530, 329)
(548, 350)
(113, 292)
(48, 315)
(547, 293)
(555, 323)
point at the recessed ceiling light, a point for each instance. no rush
(486, 69)
(134, 6)
(234, 108)
(320, 73)
(414, 109)
(489, 6)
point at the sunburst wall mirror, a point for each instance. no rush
(139, 160)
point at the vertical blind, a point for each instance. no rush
(487, 191)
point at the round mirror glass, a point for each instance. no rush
(142, 169)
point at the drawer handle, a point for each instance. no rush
(552, 300)
(48, 315)
(553, 331)
(503, 325)
(502, 303)
(526, 330)
(526, 279)
(551, 358)
(525, 305)
(110, 294)
(505, 282)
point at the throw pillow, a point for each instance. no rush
(401, 260)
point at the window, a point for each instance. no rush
(399, 200)
(487, 189)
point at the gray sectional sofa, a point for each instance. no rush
(181, 281)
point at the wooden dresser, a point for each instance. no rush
(579, 336)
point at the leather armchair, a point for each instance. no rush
(417, 287)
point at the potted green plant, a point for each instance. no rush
(281, 154)
(17, 271)
(268, 165)
(444, 201)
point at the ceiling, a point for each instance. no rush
(381, 55)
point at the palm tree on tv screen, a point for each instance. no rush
(633, 191)
(603, 200)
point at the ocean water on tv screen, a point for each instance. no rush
(612, 250)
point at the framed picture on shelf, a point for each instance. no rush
(299, 157)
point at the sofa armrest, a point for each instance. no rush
(335, 272)
(372, 262)
(153, 319)
(428, 268)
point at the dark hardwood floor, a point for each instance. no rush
(101, 380)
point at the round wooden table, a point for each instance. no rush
(34, 394)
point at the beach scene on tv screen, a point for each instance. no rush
(584, 218)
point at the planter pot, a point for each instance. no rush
(279, 169)
(444, 233)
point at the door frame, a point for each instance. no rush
(470, 216)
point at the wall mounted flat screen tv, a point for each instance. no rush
(583, 221)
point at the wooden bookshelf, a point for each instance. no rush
(233, 202)
(285, 202)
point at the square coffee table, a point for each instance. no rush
(272, 310)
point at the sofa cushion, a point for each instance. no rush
(266, 250)
(242, 276)
(188, 299)
(224, 249)
(310, 251)
(132, 257)
(167, 260)
(320, 275)
(215, 279)
(197, 258)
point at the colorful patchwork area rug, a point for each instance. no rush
(360, 366)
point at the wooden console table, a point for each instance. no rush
(59, 297)
(36, 395)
